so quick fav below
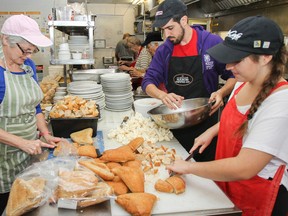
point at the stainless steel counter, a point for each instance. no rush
(205, 192)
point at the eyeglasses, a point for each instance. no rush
(26, 53)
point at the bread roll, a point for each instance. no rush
(163, 186)
(98, 168)
(75, 184)
(97, 196)
(136, 143)
(177, 183)
(25, 195)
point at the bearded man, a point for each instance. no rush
(186, 70)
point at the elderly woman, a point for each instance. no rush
(20, 95)
(143, 59)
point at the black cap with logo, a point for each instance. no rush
(252, 35)
(166, 10)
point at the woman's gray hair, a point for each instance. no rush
(12, 40)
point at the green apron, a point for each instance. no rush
(18, 117)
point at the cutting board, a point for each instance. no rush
(200, 195)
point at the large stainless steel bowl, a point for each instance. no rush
(192, 112)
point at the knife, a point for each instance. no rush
(196, 151)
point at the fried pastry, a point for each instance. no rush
(137, 204)
(119, 187)
(121, 154)
(87, 150)
(83, 137)
(132, 177)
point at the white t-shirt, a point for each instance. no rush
(268, 132)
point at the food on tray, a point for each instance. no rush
(99, 168)
(120, 154)
(119, 187)
(132, 177)
(137, 203)
(83, 137)
(25, 195)
(87, 150)
(76, 184)
(136, 143)
(163, 186)
(177, 183)
(74, 107)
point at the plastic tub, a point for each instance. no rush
(144, 105)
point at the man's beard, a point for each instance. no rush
(180, 38)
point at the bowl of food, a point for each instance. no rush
(192, 112)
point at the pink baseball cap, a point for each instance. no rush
(27, 28)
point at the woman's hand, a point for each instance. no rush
(51, 139)
(203, 140)
(179, 167)
(34, 147)
(217, 99)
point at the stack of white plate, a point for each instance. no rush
(88, 90)
(118, 91)
(78, 43)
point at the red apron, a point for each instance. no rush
(255, 196)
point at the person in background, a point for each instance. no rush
(122, 50)
(186, 70)
(20, 97)
(152, 42)
(252, 149)
(143, 59)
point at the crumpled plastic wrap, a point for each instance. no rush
(54, 179)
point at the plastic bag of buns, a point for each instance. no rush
(81, 186)
(60, 179)
(32, 188)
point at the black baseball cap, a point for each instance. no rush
(252, 35)
(166, 10)
(152, 36)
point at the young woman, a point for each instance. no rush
(252, 149)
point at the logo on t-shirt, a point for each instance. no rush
(183, 79)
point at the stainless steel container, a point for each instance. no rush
(192, 112)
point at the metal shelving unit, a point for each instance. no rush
(69, 28)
